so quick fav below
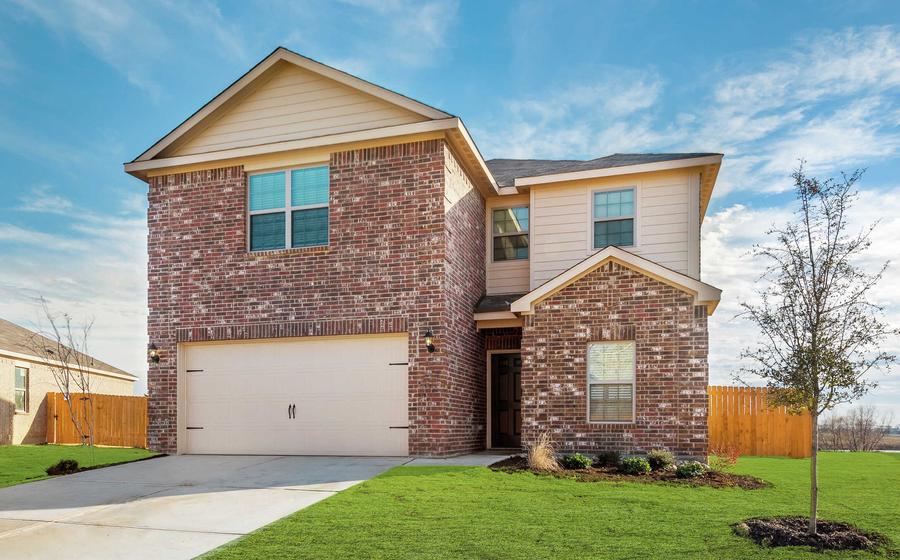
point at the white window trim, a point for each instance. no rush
(493, 235)
(592, 220)
(287, 210)
(588, 381)
(25, 390)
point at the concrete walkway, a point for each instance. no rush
(172, 507)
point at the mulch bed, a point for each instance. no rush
(791, 531)
(594, 474)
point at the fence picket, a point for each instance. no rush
(119, 421)
(741, 417)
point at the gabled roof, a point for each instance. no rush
(704, 294)
(278, 55)
(19, 341)
(506, 171)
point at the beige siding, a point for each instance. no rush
(667, 222)
(31, 426)
(505, 277)
(292, 103)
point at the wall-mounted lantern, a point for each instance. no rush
(429, 341)
(153, 353)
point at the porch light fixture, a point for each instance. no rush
(153, 353)
(429, 341)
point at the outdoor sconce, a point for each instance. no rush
(429, 341)
(153, 353)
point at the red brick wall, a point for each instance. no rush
(385, 269)
(617, 303)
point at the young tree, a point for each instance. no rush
(820, 333)
(64, 348)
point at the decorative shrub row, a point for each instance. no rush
(656, 460)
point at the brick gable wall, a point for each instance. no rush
(391, 251)
(614, 302)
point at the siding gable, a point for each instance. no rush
(290, 103)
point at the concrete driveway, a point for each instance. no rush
(172, 507)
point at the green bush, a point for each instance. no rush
(635, 465)
(690, 469)
(607, 459)
(63, 466)
(660, 459)
(576, 461)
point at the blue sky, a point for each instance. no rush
(86, 85)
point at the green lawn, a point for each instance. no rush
(24, 463)
(465, 512)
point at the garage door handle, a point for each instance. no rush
(289, 412)
(294, 411)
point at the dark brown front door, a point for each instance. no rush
(506, 400)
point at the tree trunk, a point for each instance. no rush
(814, 475)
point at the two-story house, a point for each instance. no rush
(334, 269)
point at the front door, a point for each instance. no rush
(506, 400)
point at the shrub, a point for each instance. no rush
(64, 466)
(635, 465)
(690, 469)
(660, 459)
(724, 457)
(576, 461)
(607, 459)
(541, 455)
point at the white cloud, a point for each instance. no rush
(42, 199)
(407, 32)
(93, 267)
(584, 120)
(137, 38)
(730, 233)
(830, 99)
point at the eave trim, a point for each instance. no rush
(703, 293)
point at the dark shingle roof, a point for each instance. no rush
(14, 338)
(501, 302)
(506, 171)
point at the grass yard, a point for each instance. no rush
(473, 512)
(24, 463)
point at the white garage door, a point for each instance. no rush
(306, 396)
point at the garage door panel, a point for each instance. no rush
(347, 394)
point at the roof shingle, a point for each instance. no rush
(14, 338)
(506, 171)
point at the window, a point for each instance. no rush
(510, 230)
(613, 218)
(289, 209)
(21, 389)
(611, 381)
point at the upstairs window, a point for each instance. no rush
(510, 232)
(21, 389)
(611, 381)
(289, 209)
(614, 218)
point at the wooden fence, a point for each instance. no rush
(119, 421)
(741, 418)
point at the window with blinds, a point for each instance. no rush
(21, 389)
(614, 218)
(289, 209)
(611, 367)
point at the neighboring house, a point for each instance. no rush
(334, 269)
(25, 380)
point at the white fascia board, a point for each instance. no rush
(136, 167)
(57, 363)
(620, 170)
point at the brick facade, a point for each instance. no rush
(400, 258)
(614, 302)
